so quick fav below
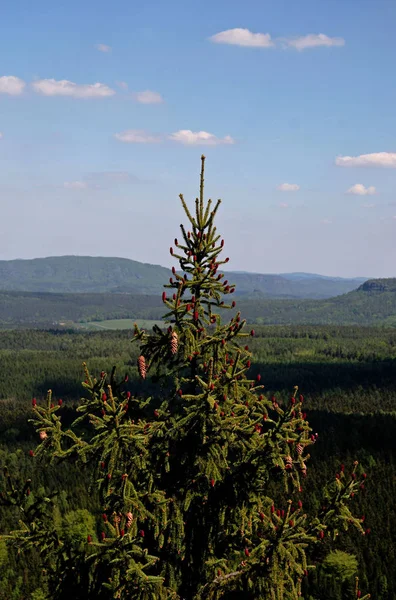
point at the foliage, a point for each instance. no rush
(340, 565)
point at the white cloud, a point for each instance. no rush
(377, 159)
(103, 48)
(137, 136)
(243, 37)
(148, 97)
(1, 135)
(122, 84)
(283, 205)
(359, 190)
(288, 187)
(75, 185)
(326, 222)
(198, 138)
(51, 87)
(11, 85)
(313, 40)
(368, 205)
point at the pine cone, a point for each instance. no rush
(129, 521)
(43, 435)
(174, 342)
(141, 363)
(288, 463)
(300, 449)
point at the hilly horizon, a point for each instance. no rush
(372, 304)
(87, 274)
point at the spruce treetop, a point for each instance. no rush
(200, 482)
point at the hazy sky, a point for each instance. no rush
(106, 107)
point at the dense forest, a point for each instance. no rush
(87, 274)
(373, 303)
(345, 373)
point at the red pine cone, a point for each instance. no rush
(288, 463)
(258, 378)
(102, 465)
(104, 517)
(247, 553)
(163, 296)
(321, 535)
(252, 332)
(212, 482)
(196, 315)
(171, 250)
(89, 539)
(141, 533)
(122, 533)
(180, 392)
(60, 402)
(272, 509)
(104, 397)
(128, 395)
(103, 535)
(34, 402)
(31, 453)
(299, 504)
(141, 363)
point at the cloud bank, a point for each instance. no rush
(377, 159)
(247, 38)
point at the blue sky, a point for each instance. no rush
(292, 102)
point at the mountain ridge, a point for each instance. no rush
(97, 274)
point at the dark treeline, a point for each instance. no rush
(347, 375)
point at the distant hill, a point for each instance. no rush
(373, 303)
(86, 274)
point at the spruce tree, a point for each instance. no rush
(200, 483)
